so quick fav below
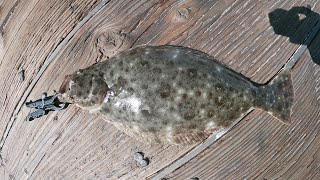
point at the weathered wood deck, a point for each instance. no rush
(50, 39)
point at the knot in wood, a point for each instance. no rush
(109, 42)
(182, 14)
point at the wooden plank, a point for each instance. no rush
(51, 148)
(307, 165)
(261, 148)
(29, 36)
(72, 144)
(312, 25)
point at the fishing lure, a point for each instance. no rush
(172, 94)
(44, 105)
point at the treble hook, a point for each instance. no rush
(44, 105)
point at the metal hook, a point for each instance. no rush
(44, 105)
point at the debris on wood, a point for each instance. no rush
(22, 75)
(140, 159)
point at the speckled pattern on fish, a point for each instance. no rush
(172, 94)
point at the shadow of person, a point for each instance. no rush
(296, 24)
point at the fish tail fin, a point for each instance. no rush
(276, 97)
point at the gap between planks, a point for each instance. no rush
(213, 138)
(11, 11)
(303, 47)
(47, 62)
(182, 160)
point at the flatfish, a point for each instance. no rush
(173, 94)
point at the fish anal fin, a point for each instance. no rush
(167, 135)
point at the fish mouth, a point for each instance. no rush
(65, 86)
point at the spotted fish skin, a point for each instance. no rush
(172, 94)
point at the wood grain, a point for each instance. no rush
(39, 143)
(28, 40)
(73, 144)
(260, 147)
